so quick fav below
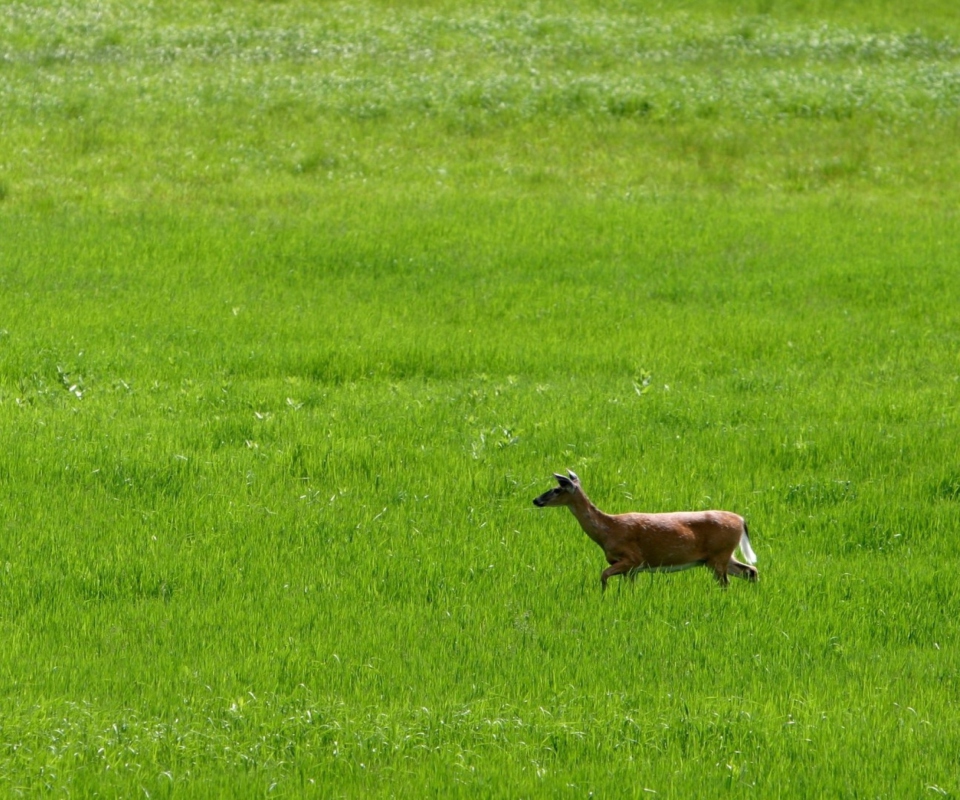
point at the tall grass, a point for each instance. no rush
(279, 377)
(276, 105)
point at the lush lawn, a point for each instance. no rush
(301, 305)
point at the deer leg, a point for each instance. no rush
(619, 568)
(741, 570)
(720, 572)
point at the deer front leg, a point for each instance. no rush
(618, 568)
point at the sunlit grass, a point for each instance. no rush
(300, 307)
(265, 104)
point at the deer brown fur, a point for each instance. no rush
(669, 542)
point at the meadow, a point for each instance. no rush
(302, 304)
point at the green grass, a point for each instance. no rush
(289, 340)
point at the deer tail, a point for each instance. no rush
(749, 556)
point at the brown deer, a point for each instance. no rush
(669, 542)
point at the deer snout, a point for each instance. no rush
(538, 502)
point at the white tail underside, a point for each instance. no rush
(748, 555)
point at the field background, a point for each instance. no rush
(300, 306)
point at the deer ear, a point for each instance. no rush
(573, 476)
(564, 481)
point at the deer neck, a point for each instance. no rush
(594, 522)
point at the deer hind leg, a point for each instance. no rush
(741, 570)
(720, 567)
(619, 568)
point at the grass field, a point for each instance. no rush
(301, 305)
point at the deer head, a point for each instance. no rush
(562, 494)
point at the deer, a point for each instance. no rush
(667, 542)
